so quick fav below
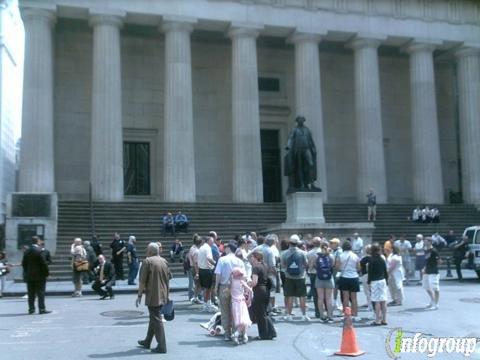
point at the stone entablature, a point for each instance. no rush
(452, 22)
(452, 11)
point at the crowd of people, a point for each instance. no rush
(238, 280)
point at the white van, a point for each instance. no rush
(473, 234)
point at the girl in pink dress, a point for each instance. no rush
(241, 297)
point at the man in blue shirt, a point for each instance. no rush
(181, 222)
(168, 224)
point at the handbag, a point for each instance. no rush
(81, 265)
(168, 311)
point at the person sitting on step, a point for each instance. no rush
(176, 252)
(181, 222)
(168, 224)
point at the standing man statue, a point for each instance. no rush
(301, 159)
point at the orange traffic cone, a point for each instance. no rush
(349, 345)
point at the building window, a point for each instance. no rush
(269, 84)
(136, 168)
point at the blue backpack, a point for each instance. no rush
(324, 267)
(295, 264)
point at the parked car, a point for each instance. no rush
(473, 234)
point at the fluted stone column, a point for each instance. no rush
(427, 169)
(37, 157)
(106, 171)
(469, 103)
(179, 157)
(368, 120)
(247, 159)
(308, 96)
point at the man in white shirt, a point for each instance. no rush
(205, 264)
(357, 244)
(223, 271)
(438, 241)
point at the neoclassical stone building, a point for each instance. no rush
(193, 100)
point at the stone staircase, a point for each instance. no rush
(394, 219)
(143, 219)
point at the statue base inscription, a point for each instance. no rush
(305, 208)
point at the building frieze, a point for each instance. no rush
(451, 11)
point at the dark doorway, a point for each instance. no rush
(136, 168)
(271, 165)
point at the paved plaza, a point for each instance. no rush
(86, 328)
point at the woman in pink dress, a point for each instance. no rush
(241, 297)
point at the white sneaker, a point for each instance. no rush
(235, 338)
(245, 338)
(429, 306)
(434, 307)
(288, 318)
(306, 318)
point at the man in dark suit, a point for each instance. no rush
(105, 277)
(35, 273)
(154, 282)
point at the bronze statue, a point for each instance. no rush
(301, 159)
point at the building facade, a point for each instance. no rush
(193, 100)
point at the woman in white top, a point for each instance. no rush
(242, 253)
(348, 263)
(78, 253)
(395, 274)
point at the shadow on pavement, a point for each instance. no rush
(123, 323)
(15, 315)
(420, 309)
(119, 354)
(209, 342)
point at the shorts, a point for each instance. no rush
(324, 284)
(294, 288)
(378, 290)
(205, 277)
(431, 282)
(349, 284)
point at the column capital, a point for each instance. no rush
(467, 50)
(301, 35)
(421, 45)
(365, 41)
(46, 14)
(237, 30)
(178, 23)
(106, 17)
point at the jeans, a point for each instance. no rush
(132, 272)
(191, 285)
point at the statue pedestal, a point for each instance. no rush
(305, 208)
(305, 216)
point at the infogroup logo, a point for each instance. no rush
(397, 343)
